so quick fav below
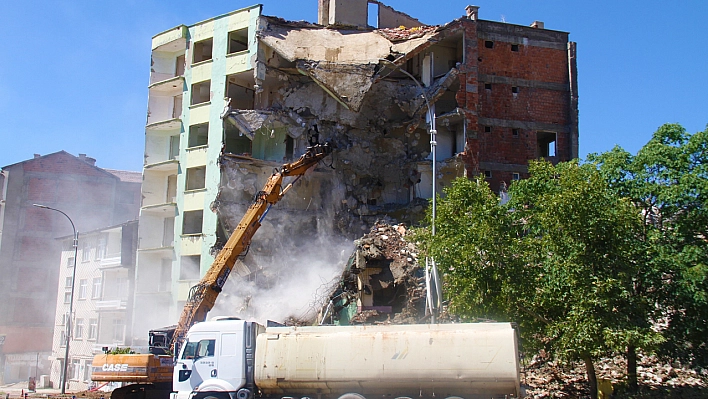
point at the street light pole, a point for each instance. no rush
(69, 324)
(431, 270)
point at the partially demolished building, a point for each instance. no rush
(237, 95)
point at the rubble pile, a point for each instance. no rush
(383, 278)
(545, 378)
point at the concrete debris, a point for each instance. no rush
(551, 379)
(402, 33)
(382, 283)
(347, 83)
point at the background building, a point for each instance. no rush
(103, 296)
(92, 197)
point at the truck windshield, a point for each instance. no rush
(189, 350)
(198, 349)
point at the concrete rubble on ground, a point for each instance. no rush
(550, 379)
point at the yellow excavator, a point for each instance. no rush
(149, 375)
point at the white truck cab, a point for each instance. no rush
(213, 359)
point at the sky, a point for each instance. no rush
(74, 74)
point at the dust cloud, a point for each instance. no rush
(288, 287)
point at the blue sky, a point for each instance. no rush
(74, 74)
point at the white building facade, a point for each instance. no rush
(103, 287)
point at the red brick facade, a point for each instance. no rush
(519, 93)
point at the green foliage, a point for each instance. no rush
(121, 351)
(668, 181)
(560, 259)
(588, 258)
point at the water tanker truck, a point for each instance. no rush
(236, 359)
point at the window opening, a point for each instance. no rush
(488, 44)
(163, 285)
(171, 189)
(83, 289)
(79, 329)
(196, 178)
(202, 50)
(118, 330)
(189, 267)
(174, 147)
(546, 144)
(514, 47)
(488, 86)
(93, 329)
(515, 132)
(177, 107)
(289, 148)
(198, 135)
(87, 371)
(238, 41)
(179, 65)
(96, 291)
(86, 252)
(101, 248)
(168, 232)
(515, 176)
(235, 142)
(192, 222)
(241, 97)
(201, 92)
(487, 174)
(487, 129)
(515, 89)
(373, 15)
(75, 369)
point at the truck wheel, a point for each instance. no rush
(352, 395)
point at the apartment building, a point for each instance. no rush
(193, 69)
(92, 197)
(237, 95)
(103, 300)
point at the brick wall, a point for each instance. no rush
(512, 94)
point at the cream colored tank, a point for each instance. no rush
(440, 360)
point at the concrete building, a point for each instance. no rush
(93, 197)
(103, 295)
(257, 90)
(193, 69)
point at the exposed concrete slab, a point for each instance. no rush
(348, 46)
(348, 83)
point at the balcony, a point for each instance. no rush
(168, 88)
(161, 251)
(170, 165)
(111, 261)
(160, 210)
(166, 126)
(171, 40)
(111, 304)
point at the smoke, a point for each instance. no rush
(290, 285)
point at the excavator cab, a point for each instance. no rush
(161, 340)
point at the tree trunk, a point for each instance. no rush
(632, 368)
(592, 378)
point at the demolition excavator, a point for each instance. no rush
(149, 375)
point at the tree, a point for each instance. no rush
(559, 258)
(668, 181)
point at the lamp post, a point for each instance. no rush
(431, 270)
(69, 324)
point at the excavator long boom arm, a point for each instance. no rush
(203, 295)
